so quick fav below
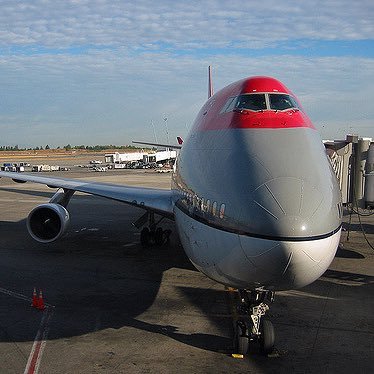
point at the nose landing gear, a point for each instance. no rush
(251, 326)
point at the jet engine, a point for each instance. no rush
(48, 222)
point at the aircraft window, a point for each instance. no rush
(282, 102)
(198, 205)
(229, 106)
(248, 101)
(208, 205)
(214, 208)
(222, 211)
(251, 102)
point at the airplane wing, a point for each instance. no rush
(157, 200)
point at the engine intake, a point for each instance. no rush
(48, 222)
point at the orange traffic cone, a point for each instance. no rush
(35, 302)
(41, 305)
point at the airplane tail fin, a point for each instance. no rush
(210, 84)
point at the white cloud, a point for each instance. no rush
(111, 97)
(206, 23)
(99, 71)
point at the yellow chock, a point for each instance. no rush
(237, 355)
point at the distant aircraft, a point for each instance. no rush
(254, 198)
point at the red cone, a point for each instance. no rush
(35, 301)
(41, 305)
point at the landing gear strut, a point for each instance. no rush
(151, 234)
(251, 326)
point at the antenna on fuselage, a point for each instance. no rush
(210, 84)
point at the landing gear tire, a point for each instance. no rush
(243, 345)
(151, 234)
(267, 337)
(145, 237)
(252, 327)
(242, 339)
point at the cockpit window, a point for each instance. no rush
(258, 102)
(282, 102)
(251, 102)
(229, 106)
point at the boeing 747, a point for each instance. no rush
(254, 198)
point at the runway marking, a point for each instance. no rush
(14, 294)
(40, 341)
(81, 229)
(33, 363)
(130, 244)
(20, 296)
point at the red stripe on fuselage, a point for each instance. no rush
(211, 117)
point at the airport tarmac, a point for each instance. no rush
(115, 307)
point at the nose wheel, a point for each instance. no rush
(242, 337)
(267, 337)
(251, 327)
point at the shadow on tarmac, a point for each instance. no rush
(347, 253)
(29, 192)
(98, 277)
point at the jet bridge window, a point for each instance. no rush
(282, 102)
(255, 102)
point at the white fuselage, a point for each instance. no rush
(250, 213)
(245, 262)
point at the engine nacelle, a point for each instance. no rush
(48, 222)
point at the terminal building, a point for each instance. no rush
(158, 157)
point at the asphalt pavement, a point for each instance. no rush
(115, 307)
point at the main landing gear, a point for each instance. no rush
(251, 326)
(151, 234)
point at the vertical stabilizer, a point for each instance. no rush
(210, 87)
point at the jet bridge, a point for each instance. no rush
(353, 162)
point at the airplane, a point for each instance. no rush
(254, 198)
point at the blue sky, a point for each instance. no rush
(94, 72)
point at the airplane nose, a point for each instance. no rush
(309, 260)
(297, 227)
(289, 207)
(285, 264)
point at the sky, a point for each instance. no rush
(109, 72)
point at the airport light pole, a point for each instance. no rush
(167, 129)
